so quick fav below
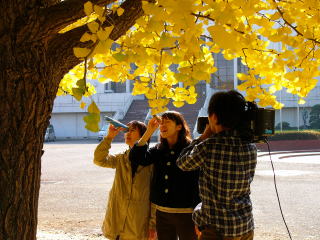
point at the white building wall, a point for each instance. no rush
(292, 112)
(70, 125)
(288, 115)
(67, 116)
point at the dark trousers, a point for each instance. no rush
(170, 226)
(209, 233)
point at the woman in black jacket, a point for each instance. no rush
(174, 193)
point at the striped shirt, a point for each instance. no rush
(227, 165)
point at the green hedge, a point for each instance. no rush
(295, 135)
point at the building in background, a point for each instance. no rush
(115, 100)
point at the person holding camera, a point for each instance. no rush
(128, 213)
(174, 193)
(227, 159)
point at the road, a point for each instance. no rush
(74, 192)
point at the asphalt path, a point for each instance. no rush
(74, 192)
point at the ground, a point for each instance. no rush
(74, 192)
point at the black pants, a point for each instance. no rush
(170, 226)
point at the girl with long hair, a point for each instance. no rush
(174, 193)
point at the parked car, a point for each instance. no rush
(103, 131)
(50, 135)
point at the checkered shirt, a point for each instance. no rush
(227, 165)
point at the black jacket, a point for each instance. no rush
(170, 187)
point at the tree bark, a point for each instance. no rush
(27, 96)
(31, 67)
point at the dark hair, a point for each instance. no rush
(138, 125)
(184, 136)
(142, 129)
(232, 111)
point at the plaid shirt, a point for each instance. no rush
(227, 165)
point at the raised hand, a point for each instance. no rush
(206, 133)
(153, 124)
(113, 131)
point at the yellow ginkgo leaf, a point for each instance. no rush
(77, 93)
(103, 46)
(102, 35)
(151, 94)
(85, 37)
(154, 103)
(98, 10)
(301, 101)
(242, 76)
(88, 8)
(93, 127)
(108, 30)
(82, 105)
(93, 108)
(178, 103)
(93, 26)
(155, 111)
(191, 100)
(120, 11)
(102, 79)
(81, 52)
(92, 121)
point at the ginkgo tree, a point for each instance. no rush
(41, 41)
(189, 34)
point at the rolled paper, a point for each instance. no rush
(116, 123)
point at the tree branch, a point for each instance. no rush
(60, 48)
(132, 11)
(198, 15)
(294, 28)
(48, 3)
(58, 16)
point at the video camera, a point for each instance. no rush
(261, 125)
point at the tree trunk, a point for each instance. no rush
(33, 60)
(26, 103)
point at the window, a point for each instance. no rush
(115, 87)
(241, 69)
(223, 77)
(109, 87)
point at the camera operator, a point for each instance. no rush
(227, 161)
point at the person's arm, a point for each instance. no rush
(152, 126)
(141, 155)
(206, 133)
(193, 156)
(102, 157)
